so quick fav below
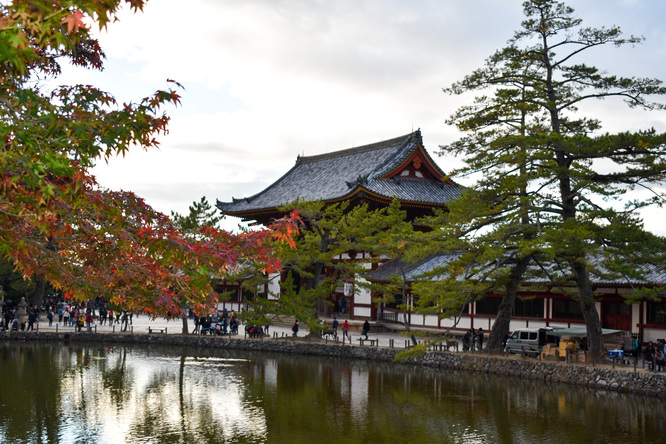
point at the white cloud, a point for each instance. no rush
(267, 80)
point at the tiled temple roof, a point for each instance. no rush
(652, 275)
(339, 175)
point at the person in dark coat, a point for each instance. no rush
(467, 340)
(32, 318)
(366, 329)
(480, 337)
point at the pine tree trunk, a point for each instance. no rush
(186, 328)
(503, 319)
(595, 340)
(40, 288)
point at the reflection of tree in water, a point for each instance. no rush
(117, 379)
(317, 397)
(29, 392)
(177, 403)
(84, 402)
(155, 395)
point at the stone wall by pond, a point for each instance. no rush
(622, 380)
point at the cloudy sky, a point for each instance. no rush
(267, 80)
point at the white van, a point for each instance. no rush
(530, 339)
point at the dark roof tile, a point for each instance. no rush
(336, 175)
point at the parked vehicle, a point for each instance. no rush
(529, 339)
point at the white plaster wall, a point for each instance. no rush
(418, 320)
(365, 312)
(635, 315)
(484, 323)
(361, 295)
(431, 321)
(448, 323)
(274, 286)
(652, 334)
(522, 323)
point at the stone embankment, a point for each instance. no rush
(620, 379)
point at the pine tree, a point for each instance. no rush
(545, 197)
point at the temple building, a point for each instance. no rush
(539, 303)
(401, 168)
(375, 174)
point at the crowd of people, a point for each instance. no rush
(218, 323)
(11, 319)
(473, 339)
(653, 354)
(76, 315)
(84, 314)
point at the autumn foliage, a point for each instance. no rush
(55, 220)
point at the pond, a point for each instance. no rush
(78, 393)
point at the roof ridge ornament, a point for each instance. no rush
(360, 180)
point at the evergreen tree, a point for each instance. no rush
(201, 214)
(337, 243)
(545, 196)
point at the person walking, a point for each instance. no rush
(89, 319)
(125, 324)
(366, 329)
(294, 328)
(335, 327)
(32, 318)
(345, 330)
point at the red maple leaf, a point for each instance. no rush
(74, 21)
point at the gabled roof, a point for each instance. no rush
(399, 167)
(652, 274)
(411, 272)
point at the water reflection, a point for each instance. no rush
(91, 394)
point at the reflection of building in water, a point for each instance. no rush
(271, 373)
(359, 394)
(345, 385)
(74, 393)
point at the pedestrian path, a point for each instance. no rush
(141, 324)
(386, 339)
